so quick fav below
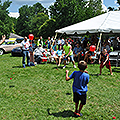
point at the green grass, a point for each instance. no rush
(41, 92)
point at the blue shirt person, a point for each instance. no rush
(80, 82)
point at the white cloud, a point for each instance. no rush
(115, 1)
(14, 14)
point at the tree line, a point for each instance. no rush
(41, 21)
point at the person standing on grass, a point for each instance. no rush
(49, 42)
(80, 82)
(25, 45)
(3, 39)
(40, 41)
(68, 53)
(104, 61)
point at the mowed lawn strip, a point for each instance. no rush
(41, 92)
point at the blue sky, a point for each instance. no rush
(16, 4)
(110, 3)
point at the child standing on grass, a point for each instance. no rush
(104, 61)
(80, 82)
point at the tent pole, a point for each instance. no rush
(99, 42)
(54, 38)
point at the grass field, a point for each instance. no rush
(42, 93)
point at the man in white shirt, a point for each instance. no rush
(25, 48)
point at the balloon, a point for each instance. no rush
(114, 117)
(92, 48)
(31, 36)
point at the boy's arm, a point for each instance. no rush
(106, 60)
(67, 78)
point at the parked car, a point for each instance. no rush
(8, 45)
(16, 52)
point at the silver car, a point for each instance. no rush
(8, 45)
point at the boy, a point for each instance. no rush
(104, 60)
(81, 80)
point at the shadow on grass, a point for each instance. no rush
(17, 67)
(116, 70)
(93, 74)
(20, 66)
(99, 75)
(11, 86)
(64, 114)
(60, 67)
(68, 93)
(16, 56)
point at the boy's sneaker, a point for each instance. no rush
(74, 66)
(64, 67)
(78, 114)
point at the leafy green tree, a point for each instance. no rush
(5, 21)
(38, 8)
(118, 1)
(48, 28)
(93, 8)
(111, 9)
(23, 22)
(14, 22)
(37, 21)
(30, 19)
(68, 12)
(2, 25)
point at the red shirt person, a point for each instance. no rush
(104, 61)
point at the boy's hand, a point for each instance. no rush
(67, 78)
(67, 71)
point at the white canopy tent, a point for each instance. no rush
(105, 23)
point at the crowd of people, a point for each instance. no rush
(65, 50)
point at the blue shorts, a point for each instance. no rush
(71, 57)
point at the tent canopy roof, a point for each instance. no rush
(105, 23)
(12, 35)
